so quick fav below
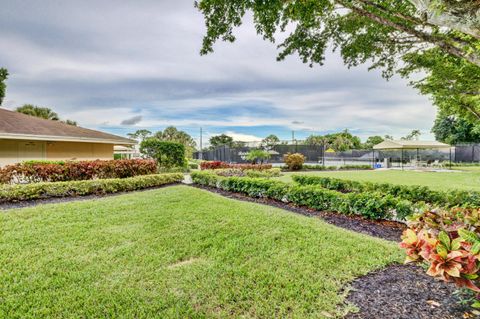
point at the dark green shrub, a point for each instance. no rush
(372, 205)
(319, 167)
(412, 193)
(14, 193)
(193, 165)
(167, 154)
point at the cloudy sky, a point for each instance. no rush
(120, 66)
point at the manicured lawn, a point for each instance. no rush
(177, 252)
(466, 178)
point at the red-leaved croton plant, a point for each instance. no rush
(449, 243)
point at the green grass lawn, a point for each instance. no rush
(466, 178)
(177, 252)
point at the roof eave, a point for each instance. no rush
(52, 138)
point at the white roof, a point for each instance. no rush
(403, 144)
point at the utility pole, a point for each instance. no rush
(293, 137)
(201, 146)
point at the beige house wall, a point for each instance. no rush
(13, 151)
(79, 151)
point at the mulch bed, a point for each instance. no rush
(404, 292)
(53, 200)
(384, 229)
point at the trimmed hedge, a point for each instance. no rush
(372, 205)
(62, 171)
(412, 193)
(318, 167)
(264, 173)
(224, 165)
(14, 193)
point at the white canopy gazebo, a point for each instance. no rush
(412, 145)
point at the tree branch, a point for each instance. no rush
(440, 42)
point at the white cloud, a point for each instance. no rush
(141, 58)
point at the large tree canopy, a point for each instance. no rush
(221, 140)
(438, 37)
(172, 134)
(453, 130)
(38, 111)
(3, 86)
(42, 112)
(342, 141)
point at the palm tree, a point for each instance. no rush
(41, 112)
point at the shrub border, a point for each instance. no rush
(371, 205)
(413, 193)
(26, 192)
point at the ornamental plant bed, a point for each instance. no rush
(448, 243)
(44, 171)
(54, 200)
(264, 173)
(412, 193)
(368, 204)
(404, 292)
(224, 165)
(317, 167)
(38, 191)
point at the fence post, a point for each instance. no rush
(323, 154)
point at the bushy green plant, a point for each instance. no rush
(193, 165)
(14, 193)
(319, 167)
(294, 161)
(413, 193)
(266, 173)
(372, 205)
(167, 154)
(206, 178)
(257, 155)
(254, 173)
(37, 162)
(223, 165)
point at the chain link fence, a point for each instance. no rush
(467, 153)
(316, 154)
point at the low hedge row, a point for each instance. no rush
(372, 205)
(43, 171)
(411, 193)
(319, 167)
(473, 164)
(15, 193)
(224, 165)
(264, 173)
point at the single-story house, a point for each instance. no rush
(24, 137)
